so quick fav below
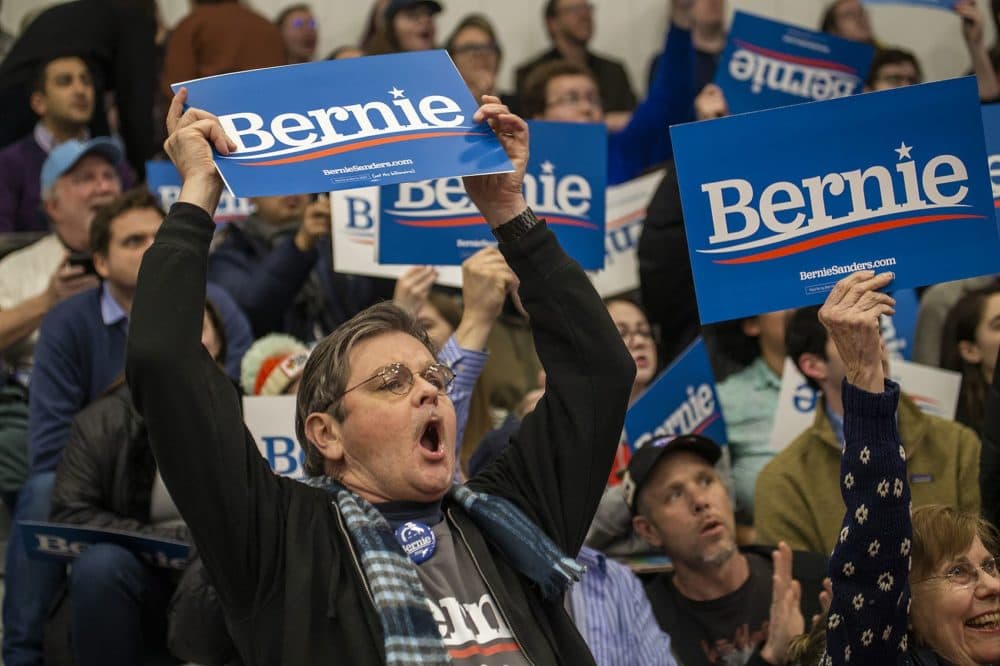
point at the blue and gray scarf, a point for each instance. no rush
(411, 634)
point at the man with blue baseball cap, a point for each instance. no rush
(720, 604)
(77, 178)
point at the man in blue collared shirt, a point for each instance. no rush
(79, 353)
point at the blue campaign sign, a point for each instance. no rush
(342, 124)
(767, 64)
(899, 330)
(991, 129)
(433, 222)
(808, 194)
(56, 541)
(933, 4)
(164, 182)
(681, 401)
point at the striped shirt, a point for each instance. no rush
(613, 614)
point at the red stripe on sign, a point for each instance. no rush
(477, 220)
(483, 651)
(444, 222)
(812, 62)
(846, 234)
(701, 428)
(337, 150)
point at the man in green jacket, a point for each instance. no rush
(798, 499)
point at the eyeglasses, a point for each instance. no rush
(575, 98)
(640, 332)
(476, 49)
(398, 379)
(964, 574)
(304, 23)
(580, 8)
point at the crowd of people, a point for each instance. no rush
(470, 494)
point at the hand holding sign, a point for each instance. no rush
(972, 23)
(710, 103)
(192, 135)
(851, 316)
(499, 196)
(315, 224)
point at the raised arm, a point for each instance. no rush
(558, 466)
(869, 567)
(223, 488)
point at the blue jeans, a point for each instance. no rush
(119, 607)
(31, 584)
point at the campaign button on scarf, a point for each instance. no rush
(418, 541)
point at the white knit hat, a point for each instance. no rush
(272, 364)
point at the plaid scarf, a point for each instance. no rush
(411, 634)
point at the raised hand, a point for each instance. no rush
(192, 136)
(315, 224)
(498, 196)
(413, 286)
(786, 621)
(486, 281)
(851, 317)
(710, 103)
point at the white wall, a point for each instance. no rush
(631, 30)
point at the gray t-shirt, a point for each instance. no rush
(472, 627)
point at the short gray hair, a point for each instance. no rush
(324, 378)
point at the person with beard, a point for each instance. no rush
(720, 605)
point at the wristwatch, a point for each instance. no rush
(513, 229)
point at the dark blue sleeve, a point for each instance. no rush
(58, 389)
(264, 289)
(645, 141)
(867, 623)
(239, 336)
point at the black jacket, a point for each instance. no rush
(105, 476)
(278, 550)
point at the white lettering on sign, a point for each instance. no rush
(546, 193)
(292, 132)
(801, 80)
(790, 210)
(697, 408)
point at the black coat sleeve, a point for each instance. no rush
(231, 501)
(557, 465)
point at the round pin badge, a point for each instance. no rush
(418, 541)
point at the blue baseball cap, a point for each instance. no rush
(66, 155)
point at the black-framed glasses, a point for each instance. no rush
(964, 574)
(398, 378)
(640, 332)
